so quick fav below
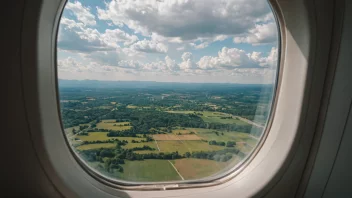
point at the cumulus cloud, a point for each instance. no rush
(187, 61)
(71, 65)
(269, 61)
(185, 19)
(117, 35)
(76, 37)
(260, 34)
(149, 46)
(200, 46)
(168, 65)
(228, 58)
(82, 13)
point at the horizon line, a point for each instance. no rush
(168, 82)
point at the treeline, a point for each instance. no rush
(113, 158)
(220, 156)
(220, 143)
(117, 141)
(144, 120)
(72, 118)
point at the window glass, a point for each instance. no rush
(166, 90)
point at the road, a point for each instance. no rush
(179, 174)
(249, 122)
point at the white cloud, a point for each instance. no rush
(186, 19)
(187, 61)
(171, 64)
(261, 34)
(181, 48)
(149, 46)
(228, 58)
(75, 36)
(269, 61)
(117, 35)
(200, 46)
(82, 13)
(71, 65)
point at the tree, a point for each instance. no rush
(187, 154)
(230, 144)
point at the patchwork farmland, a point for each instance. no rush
(182, 135)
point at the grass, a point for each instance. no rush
(186, 146)
(214, 117)
(209, 134)
(133, 145)
(182, 131)
(109, 124)
(104, 107)
(146, 170)
(162, 137)
(94, 136)
(191, 168)
(132, 107)
(96, 146)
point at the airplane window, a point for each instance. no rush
(166, 90)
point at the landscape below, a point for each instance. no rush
(164, 133)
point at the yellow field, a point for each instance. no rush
(182, 131)
(96, 146)
(109, 124)
(131, 107)
(186, 146)
(132, 145)
(94, 136)
(198, 168)
(175, 137)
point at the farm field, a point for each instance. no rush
(214, 117)
(96, 146)
(198, 168)
(133, 145)
(94, 136)
(186, 146)
(166, 137)
(187, 133)
(144, 171)
(210, 134)
(112, 125)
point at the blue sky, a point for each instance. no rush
(232, 41)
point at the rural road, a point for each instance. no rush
(176, 170)
(157, 144)
(249, 122)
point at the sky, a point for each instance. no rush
(210, 41)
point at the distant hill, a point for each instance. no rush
(146, 84)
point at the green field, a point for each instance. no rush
(112, 125)
(214, 117)
(143, 171)
(198, 168)
(94, 136)
(209, 134)
(132, 107)
(96, 146)
(186, 146)
(133, 145)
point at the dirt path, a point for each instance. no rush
(157, 145)
(249, 122)
(179, 174)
